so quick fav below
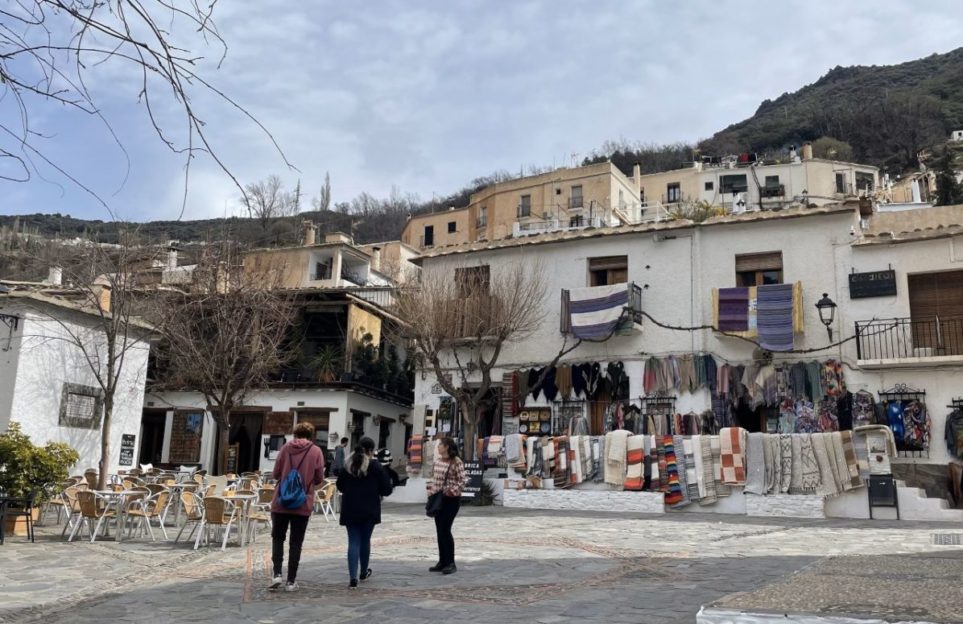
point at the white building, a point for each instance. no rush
(48, 386)
(677, 264)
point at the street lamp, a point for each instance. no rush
(827, 313)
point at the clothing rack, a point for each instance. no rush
(956, 404)
(900, 392)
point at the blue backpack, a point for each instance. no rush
(291, 495)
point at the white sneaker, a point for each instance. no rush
(291, 587)
(276, 582)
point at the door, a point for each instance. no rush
(152, 426)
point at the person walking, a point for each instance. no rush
(362, 483)
(448, 477)
(339, 452)
(304, 457)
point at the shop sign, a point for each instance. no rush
(474, 471)
(127, 449)
(872, 284)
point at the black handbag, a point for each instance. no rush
(433, 506)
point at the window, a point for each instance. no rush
(576, 200)
(525, 206)
(673, 193)
(733, 184)
(452, 227)
(428, 240)
(840, 183)
(482, 220)
(865, 181)
(621, 198)
(473, 280)
(772, 181)
(936, 311)
(759, 269)
(710, 185)
(608, 270)
(322, 270)
(384, 432)
(576, 221)
(81, 406)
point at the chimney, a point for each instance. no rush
(636, 172)
(376, 259)
(807, 151)
(172, 258)
(55, 276)
(310, 233)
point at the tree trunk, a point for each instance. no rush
(224, 433)
(105, 444)
(469, 428)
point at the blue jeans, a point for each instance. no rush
(359, 547)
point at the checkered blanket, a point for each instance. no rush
(733, 444)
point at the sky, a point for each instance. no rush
(424, 96)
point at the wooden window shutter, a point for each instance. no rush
(936, 294)
(769, 261)
(608, 263)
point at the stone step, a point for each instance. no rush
(915, 505)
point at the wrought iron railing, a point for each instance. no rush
(901, 338)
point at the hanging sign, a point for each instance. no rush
(127, 449)
(872, 284)
(474, 472)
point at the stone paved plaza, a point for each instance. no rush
(514, 566)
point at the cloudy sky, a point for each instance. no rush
(424, 96)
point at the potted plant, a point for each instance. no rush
(328, 363)
(25, 468)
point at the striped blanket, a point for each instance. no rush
(595, 311)
(733, 445)
(704, 462)
(634, 477)
(715, 445)
(576, 475)
(774, 308)
(691, 474)
(616, 451)
(678, 447)
(852, 465)
(415, 445)
(733, 309)
(674, 492)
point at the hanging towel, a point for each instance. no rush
(634, 458)
(774, 313)
(733, 309)
(596, 311)
(733, 444)
(756, 464)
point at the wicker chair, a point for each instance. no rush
(148, 509)
(93, 507)
(71, 505)
(193, 513)
(219, 513)
(90, 476)
(324, 499)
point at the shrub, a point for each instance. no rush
(25, 467)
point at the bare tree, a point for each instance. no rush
(322, 203)
(267, 200)
(225, 337)
(51, 50)
(102, 281)
(461, 326)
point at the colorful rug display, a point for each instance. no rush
(733, 444)
(674, 493)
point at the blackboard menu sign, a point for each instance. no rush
(872, 284)
(232, 458)
(474, 471)
(127, 449)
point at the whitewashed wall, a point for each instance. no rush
(42, 359)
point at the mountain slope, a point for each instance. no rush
(886, 113)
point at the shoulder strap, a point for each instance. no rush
(306, 453)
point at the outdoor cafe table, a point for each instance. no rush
(243, 505)
(119, 500)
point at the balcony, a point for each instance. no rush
(596, 313)
(523, 211)
(773, 190)
(909, 342)
(575, 203)
(532, 228)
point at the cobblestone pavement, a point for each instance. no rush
(514, 566)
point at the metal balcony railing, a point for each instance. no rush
(575, 202)
(902, 338)
(773, 190)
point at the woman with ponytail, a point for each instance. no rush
(362, 483)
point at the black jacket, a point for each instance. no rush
(361, 496)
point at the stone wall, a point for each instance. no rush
(580, 500)
(785, 505)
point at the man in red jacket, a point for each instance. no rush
(302, 455)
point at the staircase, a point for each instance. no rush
(915, 505)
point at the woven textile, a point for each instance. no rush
(415, 457)
(756, 464)
(674, 493)
(515, 450)
(679, 450)
(563, 380)
(697, 460)
(691, 474)
(810, 468)
(656, 472)
(774, 308)
(585, 457)
(716, 445)
(733, 445)
(827, 478)
(770, 448)
(509, 388)
(841, 469)
(635, 454)
(575, 460)
(785, 460)
(852, 465)
(598, 458)
(733, 309)
(616, 450)
(704, 462)
(795, 481)
(595, 311)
